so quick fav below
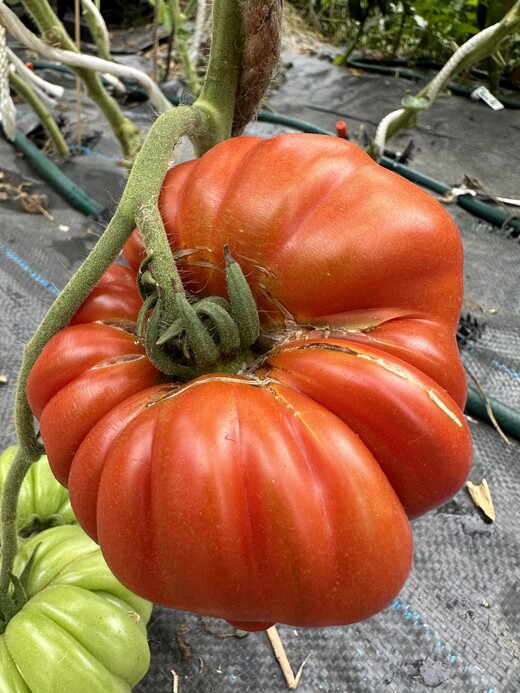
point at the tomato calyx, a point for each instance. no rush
(14, 601)
(191, 336)
(35, 524)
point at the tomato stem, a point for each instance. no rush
(13, 483)
(217, 98)
(189, 336)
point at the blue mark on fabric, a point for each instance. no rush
(411, 615)
(505, 369)
(35, 276)
(496, 363)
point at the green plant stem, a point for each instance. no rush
(41, 111)
(54, 33)
(178, 21)
(98, 30)
(207, 122)
(142, 187)
(341, 60)
(217, 98)
(19, 469)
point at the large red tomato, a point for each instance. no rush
(282, 492)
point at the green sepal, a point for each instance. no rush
(243, 306)
(146, 283)
(147, 306)
(173, 331)
(223, 323)
(160, 359)
(201, 345)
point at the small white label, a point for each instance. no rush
(483, 93)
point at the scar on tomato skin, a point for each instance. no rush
(445, 409)
(310, 346)
(268, 386)
(296, 413)
(127, 326)
(400, 372)
(336, 331)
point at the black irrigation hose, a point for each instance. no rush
(507, 418)
(480, 209)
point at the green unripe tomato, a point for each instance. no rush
(43, 501)
(80, 629)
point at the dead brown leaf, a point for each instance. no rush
(32, 203)
(481, 496)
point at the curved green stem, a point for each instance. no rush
(476, 48)
(98, 29)
(208, 122)
(41, 111)
(143, 185)
(217, 98)
(14, 479)
(179, 34)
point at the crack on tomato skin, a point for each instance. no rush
(269, 383)
(407, 376)
(379, 361)
(116, 360)
(431, 394)
(127, 326)
(179, 388)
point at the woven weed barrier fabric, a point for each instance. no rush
(456, 624)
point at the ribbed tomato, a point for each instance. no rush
(80, 629)
(282, 491)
